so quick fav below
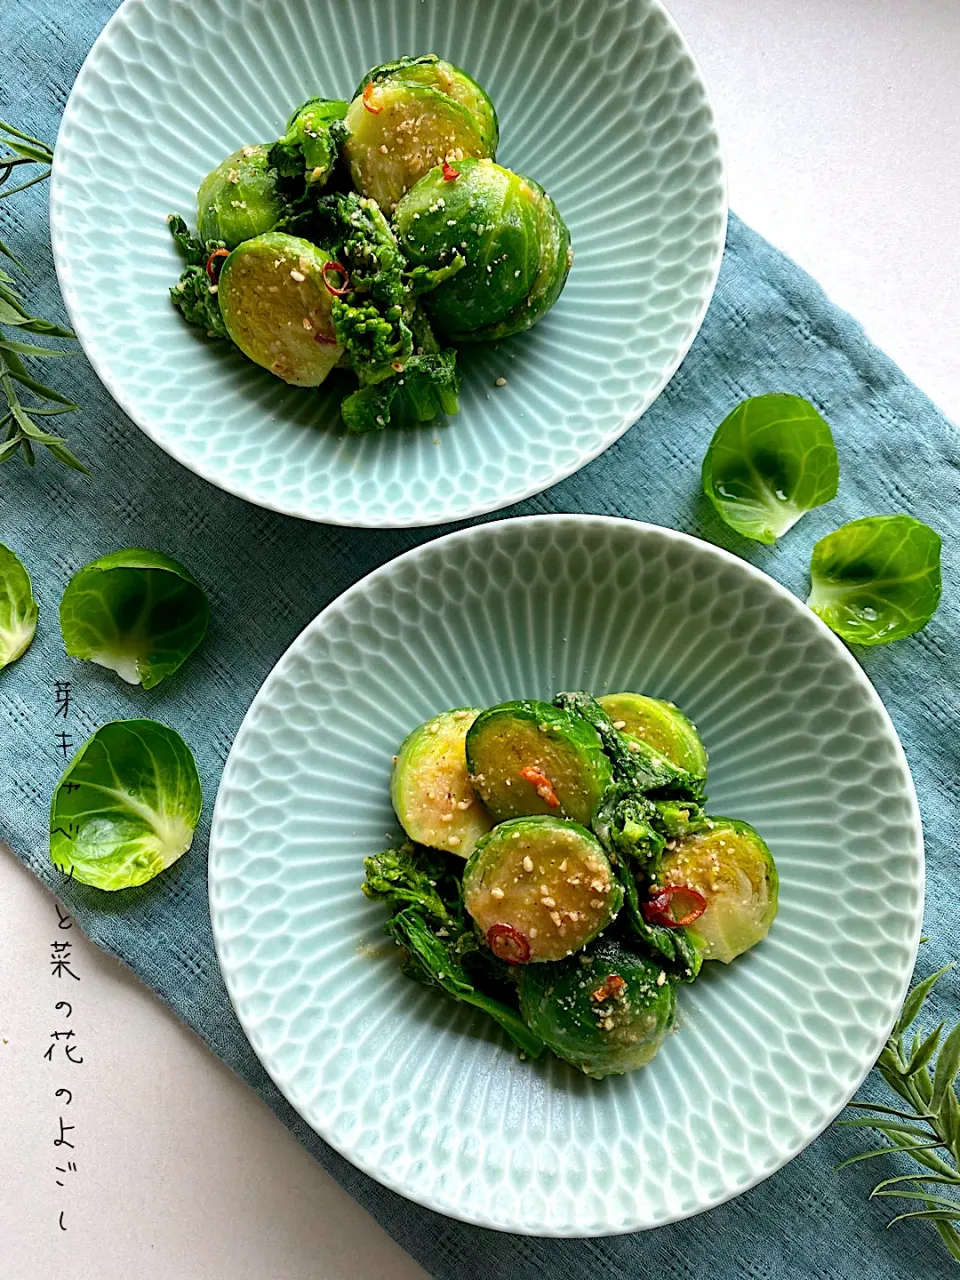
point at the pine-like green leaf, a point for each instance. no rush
(950, 1237)
(935, 1215)
(948, 1064)
(923, 1051)
(939, 1178)
(914, 1001)
(887, 1126)
(886, 1151)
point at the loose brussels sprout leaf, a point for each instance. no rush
(239, 199)
(18, 609)
(660, 724)
(529, 757)
(308, 148)
(278, 308)
(490, 217)
(443, 76)
(430, 787)
(544, 882)
(136, 612)
(770, 461)
(126, 807)
(397, 130)
(731, 867)
(605, 1011)
(876, 579)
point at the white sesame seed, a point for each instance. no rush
(247, 151)
(502, 382)
(619, 724)
(453, 841)
(297, 275)
(547, 902)
(307, 324)
(496, 893)
(661, 978)
(527, 862)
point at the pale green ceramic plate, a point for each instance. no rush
(599, 100)
(428, 1096)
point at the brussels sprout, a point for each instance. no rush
(606, 1011)
(431, 790)
(733, 870)
(443, 76)
(410, 115)
(660, 724)
(238, 199)
(126, 807)
(529, 757)
(18, 609)
(515, 245)
(136, 612)
(308, 148)
(539, 888)
(876, 579)
(277, 306)
(770, 461)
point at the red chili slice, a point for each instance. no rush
(214, 274)
(508, 943)
(449, 172)
(543, 785)
(612, 986)
(675, 905)
(338, 290)
(368, 104)
(324, 340)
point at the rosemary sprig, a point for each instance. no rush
(928, 1128)
(19, 430)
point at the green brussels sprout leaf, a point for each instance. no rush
(770, 461)
(18, 608)
(136, 612)
(126, 807)
(877, 579)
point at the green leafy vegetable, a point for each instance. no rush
(192, 294)
(18, 608)
(22, 433)
(426, 386)
(308, 148)
(927, 1128)
(770, 461)
(428, 921)
(136, 612)
(877, 579)
(126, 807)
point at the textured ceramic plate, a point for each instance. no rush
(599, 100)
(427, 1096)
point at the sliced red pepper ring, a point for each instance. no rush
(324, 340)
(337, 269)
(449, 172)
(674, 906)
(543, 785)
(508, 943)
(214, 272)
(368, 99)
(611, 986)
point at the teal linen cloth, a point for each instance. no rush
(770, 328)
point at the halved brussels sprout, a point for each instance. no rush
(308, 148)
(539, 888)
(430, 787)
(443, 76)
(730, 866)
(660, 724)
(408, 116)
(278, 308)
(605, 1011)
(238, 199)
(532, 758)
(508, 230)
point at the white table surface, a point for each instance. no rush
(841, 124)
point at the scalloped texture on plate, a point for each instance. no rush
(428, 1096)
(599, 100)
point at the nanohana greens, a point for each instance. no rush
(876, 579)
(137, 612)
(371, 238)
(126, 807)
(562, 874)
(18, 609)
(770, 461)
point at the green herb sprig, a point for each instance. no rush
(22, 433)
(927, 1129)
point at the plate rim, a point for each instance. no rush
(842, 653)
(98, 356)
